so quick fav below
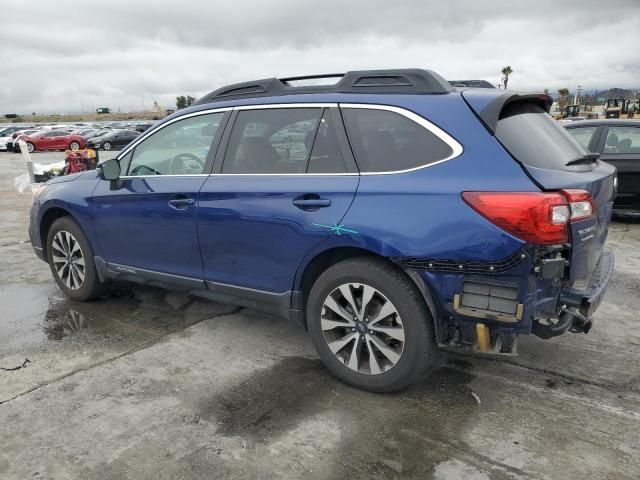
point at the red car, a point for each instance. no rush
(53, 140)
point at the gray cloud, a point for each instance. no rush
(68, 55)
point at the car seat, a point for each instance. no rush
(624, 146)
(259, 156)
(612, 143)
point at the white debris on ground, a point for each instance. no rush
(22, 182)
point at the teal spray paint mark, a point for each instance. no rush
(335, 228)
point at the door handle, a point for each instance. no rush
(311, 202)
(181, 203)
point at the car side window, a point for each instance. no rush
(385, 141)
(583, 135)
(622, 140)
(125, 161)
(276, 140)
(325, 154)
(180, 148)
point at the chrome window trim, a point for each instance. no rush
(167, 176)
(455, 146)
(266, 106)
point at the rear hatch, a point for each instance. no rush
(555, 161)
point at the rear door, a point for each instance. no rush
(283, 183)
(620, 146)
(544, 149)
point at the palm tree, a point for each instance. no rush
(506, 71)
(562, 101)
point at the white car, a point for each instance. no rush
(7, 141)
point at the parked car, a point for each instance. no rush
(52, 140)
(9, 143)
(114, 139)
(141, 127)
(100, 133)
(8, 131)
(417, 216)
(618, 143)
(86, 132)
(471, 83)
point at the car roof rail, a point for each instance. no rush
(407, 80)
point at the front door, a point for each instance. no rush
(50, 140)
(284, 183)
(150, 222)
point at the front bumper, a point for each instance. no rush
(34, 237)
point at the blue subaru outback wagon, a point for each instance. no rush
(389, 212)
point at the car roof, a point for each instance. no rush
(608, 122)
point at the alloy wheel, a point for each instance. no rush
(362, 328)
(106, 146)
(68, 260)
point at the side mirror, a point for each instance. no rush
(110, 170)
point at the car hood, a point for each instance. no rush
(88, 175)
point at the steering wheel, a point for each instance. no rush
(141, 170)
(177, 163)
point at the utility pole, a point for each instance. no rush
(577, 95)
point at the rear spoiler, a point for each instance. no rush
(489, 112)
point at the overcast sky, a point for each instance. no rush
(67, 55)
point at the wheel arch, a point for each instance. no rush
(321, 261)
(47, 219)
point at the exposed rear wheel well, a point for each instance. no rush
(48, 218)
(330, 257)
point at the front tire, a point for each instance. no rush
(71, 261)
(31, 147)
(74, 146)
(370, 325)
(106, 145)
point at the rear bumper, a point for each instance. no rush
(577, 306)
(588, 299)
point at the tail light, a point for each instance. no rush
(537, 217)
(582, 206)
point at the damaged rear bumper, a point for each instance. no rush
(577, 306)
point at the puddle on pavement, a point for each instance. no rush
(405, 433)
(35, 315)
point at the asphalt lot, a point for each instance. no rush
(157, 385)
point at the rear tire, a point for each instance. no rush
(70, 258)
(74, 146)
(385, 346)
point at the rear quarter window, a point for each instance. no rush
(535, 139)
(386, 141)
